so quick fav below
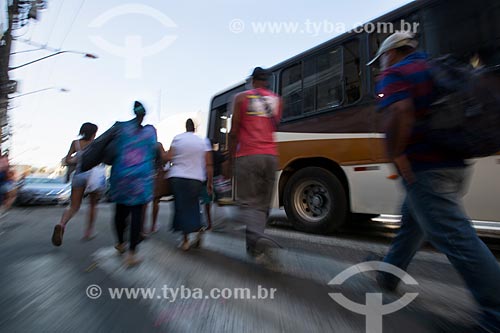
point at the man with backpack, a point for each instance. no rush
(434, 179)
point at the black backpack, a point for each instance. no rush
(464, 120)
(102, 150)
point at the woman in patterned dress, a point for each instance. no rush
(132, 178)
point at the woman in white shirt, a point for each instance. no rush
(191, 166)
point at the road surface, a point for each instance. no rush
(70, 288)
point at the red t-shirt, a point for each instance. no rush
(259, 118)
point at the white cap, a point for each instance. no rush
(394, 41)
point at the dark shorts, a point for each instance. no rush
(80, 179)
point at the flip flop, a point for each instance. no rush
(132, 260)
(197, 242)
(57, 235)
(121, 248)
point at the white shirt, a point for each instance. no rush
(188, 160)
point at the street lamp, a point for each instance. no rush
(85, 55)
(39, 47)
(40, 90)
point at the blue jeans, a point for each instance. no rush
(433, 211)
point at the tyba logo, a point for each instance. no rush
(133, 50)
(374, 309)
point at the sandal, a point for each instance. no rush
(185, 246)
(121, 248)
(89, 236)
(57, 235)
(155, 229)
(132, 260)
(197, 242)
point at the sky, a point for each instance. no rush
(172, 56)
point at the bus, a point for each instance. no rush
(332, 164)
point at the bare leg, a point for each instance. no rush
(94, 199)
(185, 243)
(155, 211)
(76, 201)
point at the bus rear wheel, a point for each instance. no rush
(315, 200)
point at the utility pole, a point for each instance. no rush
(6, 86)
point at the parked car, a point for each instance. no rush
(43, 190)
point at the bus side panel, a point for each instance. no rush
(349, 149)
(482, 201)
(299, 150)
(371, 191)
(353, 119)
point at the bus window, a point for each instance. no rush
(291, 91)
(352, 72)
(222, 124)
(322, 81)
(309, 86)
(313, 85)
(451, 31)
(328, 79)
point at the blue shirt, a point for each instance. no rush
(132, 174)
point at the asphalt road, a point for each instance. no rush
(46, 289)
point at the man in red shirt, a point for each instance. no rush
(255, 117)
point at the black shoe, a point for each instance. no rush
(373, 257)
(252, 252)
(385, 281)
(384, 284)
(265, 245)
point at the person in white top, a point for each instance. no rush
(191, 165)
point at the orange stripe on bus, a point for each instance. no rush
(343, 151)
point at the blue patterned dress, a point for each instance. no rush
(132, 174)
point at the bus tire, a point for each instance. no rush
(315, 201)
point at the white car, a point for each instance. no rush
(43, 190)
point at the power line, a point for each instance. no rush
(52, 68)
(55, 22)
(51, 64)
(36, 77)
(72, 23)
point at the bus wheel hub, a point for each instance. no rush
(316, 202)
(312, 201)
